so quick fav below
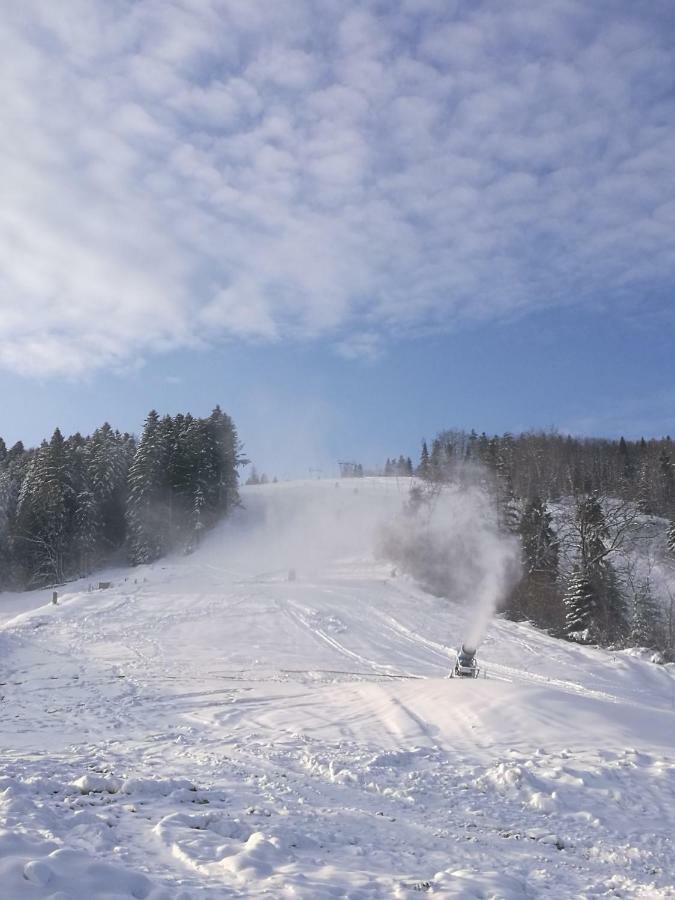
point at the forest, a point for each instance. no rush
(74, 503)
(596, 523)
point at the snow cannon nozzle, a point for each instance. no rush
(468, 651)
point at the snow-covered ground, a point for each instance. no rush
(211, 726)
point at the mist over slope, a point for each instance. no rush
(271, 715)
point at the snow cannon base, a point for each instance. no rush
(466, 665)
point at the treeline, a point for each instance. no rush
(254, 478)
(582, 509)
(71, 504)
(402, 466)
(551, 466)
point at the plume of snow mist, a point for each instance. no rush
(448, 540)
(305, 526)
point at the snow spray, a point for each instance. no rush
(450, 542)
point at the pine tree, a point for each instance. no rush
(5, 534)
(537, 597)
(627, 465)
(12, 552)
(146, 515)
(471, 446)
(108, 457)
(592, 531)
(197, 521)
(666, 484)
(436, 461)
(481, 450)
(15, 451)
(645, 616)
(509, 511)
(579, 602)
(424, 468)
(508, 507)
(607, 619)
(613, 620)
(670, 538)
(87, 531)
(226, 460)
(45, 511)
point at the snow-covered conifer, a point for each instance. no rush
(580, 604)
(670, 538)
(147, 479)
(645, 616)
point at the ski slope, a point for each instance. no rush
(271, 716)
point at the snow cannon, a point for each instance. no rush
(466, 665)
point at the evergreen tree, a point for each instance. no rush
(15, 451)
(537, 596)
(436, 461)
(424, 468)
(44, 513)
(627, 466)
(579, 602)
(146, 516)
(666, 484)
(606, 614)
(5, 535)
(482, 446)
(508, 507)
(670, 538)
(87, 531)
(197, 520)
(108, 457)
(227, 459)
(645, 616)
(613, 621)
(592, 531)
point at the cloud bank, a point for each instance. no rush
(179, 172)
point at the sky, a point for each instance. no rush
(351, 224)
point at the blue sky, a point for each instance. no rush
(351, 224)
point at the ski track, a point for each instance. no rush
(209, 728)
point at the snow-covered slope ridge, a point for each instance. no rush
(271, 716)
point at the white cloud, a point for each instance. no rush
(185, 171)
(361, 345)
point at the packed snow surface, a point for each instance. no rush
(271, 716)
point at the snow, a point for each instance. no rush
(208, 727)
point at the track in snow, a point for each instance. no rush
(329, 754)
